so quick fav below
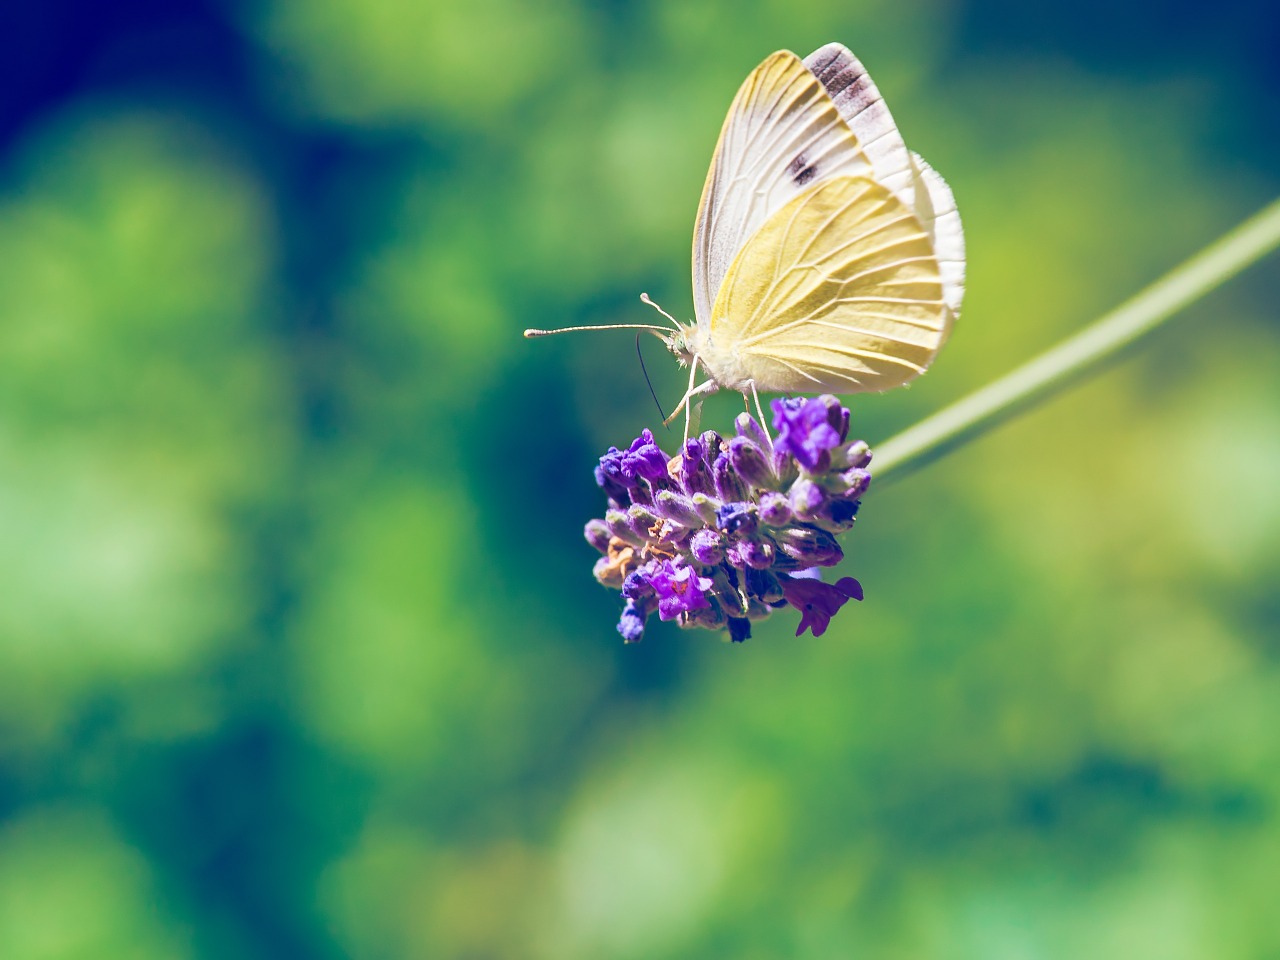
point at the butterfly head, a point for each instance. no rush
(683, 342)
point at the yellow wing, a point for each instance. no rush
(838, 291)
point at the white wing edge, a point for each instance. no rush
(936, 207)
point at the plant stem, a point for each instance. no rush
(1080, 355)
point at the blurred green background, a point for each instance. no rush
(300, 652)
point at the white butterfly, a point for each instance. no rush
(826, 256)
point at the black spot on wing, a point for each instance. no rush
(834, 71)
(800, 171)
(843, 78)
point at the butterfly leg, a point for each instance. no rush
(686, 402)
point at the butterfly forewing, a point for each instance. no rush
(839, 291)
(861, 107)
(783, 133)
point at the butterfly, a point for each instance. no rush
(827, 257)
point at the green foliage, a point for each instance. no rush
(300, 654)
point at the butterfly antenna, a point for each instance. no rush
(644, 298)
(656, 329)
(648, 382)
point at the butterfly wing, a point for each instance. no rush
(839, 291)
(860, 105)
(782, 134)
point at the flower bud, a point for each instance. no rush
(855, 454)
(855, 481)
(729, 485)
(775, 508)
(809, 546)
(706, 507)
(707, 547)
(751, 463)
(597, 534)
(620, 526)
(763, 585)
(807, 500)
(749, 428)
(677, 507)
(692, 470)
(756, 554)
(643, 520)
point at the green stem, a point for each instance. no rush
(1080, 355)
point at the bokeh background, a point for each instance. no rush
(300, 652)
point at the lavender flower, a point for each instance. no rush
(729, 530)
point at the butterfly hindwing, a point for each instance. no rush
(839, 291)
(936, 208)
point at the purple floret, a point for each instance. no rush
(818, 602)
(679, 589)
(809, 428)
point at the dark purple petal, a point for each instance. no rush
(739, 629)
(736, 518)
(763, 585)
(609, 477)
(842, 511)
(818, 602)
(637, 586)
